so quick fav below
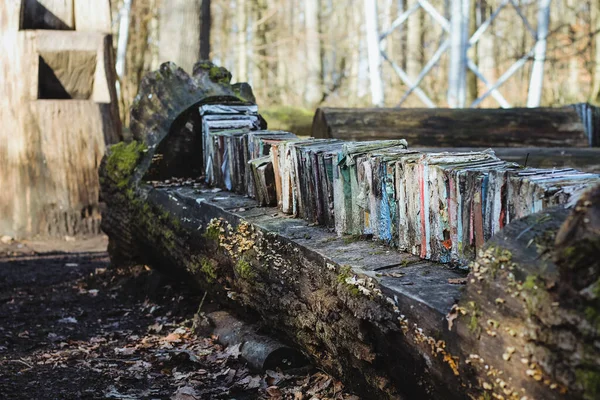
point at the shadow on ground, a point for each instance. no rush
(73, 328)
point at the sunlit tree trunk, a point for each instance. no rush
(179, 32)
(242, 36)
(473, 54)
(595, 95)
(260, 53)
(314, 90)
(414, 50)
(374, 55)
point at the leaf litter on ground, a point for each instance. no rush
(89, 331)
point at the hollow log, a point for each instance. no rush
(572, 126)
(261, 352)
(522, 324)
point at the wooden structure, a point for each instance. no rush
(572, 126)
(522, 324)
(58, 112)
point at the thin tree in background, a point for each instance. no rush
(205, 25)
(374, 54)
(242, 49)
(261, 46)
(414, 45)
(537, 73)
(595, 8)
(313, 92)
(472, 92)
(124, 22)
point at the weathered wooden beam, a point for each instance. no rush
(572, 126)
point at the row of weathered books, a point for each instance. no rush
(439, 206)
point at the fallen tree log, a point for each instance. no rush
(573, 126)
(530, 312)
(388, 323)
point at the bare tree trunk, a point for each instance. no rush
(473, 53)
(595, 95)
(179, 32)
(135, 62)
(377, 98)
(314, 91)
(414, 58)
(537, 73)
(205, 24)
(573, 89)
(124, 20)
(242, 50)
(354, 26)
(400, 34)
(485, 48)
(261, 70)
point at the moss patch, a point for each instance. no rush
(244, 270)
(589, 381)
(122, 160)
(208, 269)
(212, 232)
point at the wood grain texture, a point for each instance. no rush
(95, 19)
(542, 127)
(50, 150)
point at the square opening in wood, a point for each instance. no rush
(66, 75)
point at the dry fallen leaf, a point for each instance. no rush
(274, 392)
(125, 351)
(185, 393)
(233, 351)
(172, 337)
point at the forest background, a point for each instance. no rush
(303, 54)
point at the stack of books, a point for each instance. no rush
(441, 206)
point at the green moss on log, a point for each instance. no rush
(121, 161)
(589, 380)
(208, 269)
(244, 270)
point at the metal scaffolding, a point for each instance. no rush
(458, 42)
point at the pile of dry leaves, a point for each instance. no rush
(70, 327)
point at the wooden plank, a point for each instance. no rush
(541, 127)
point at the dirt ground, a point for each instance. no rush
(71, 327)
